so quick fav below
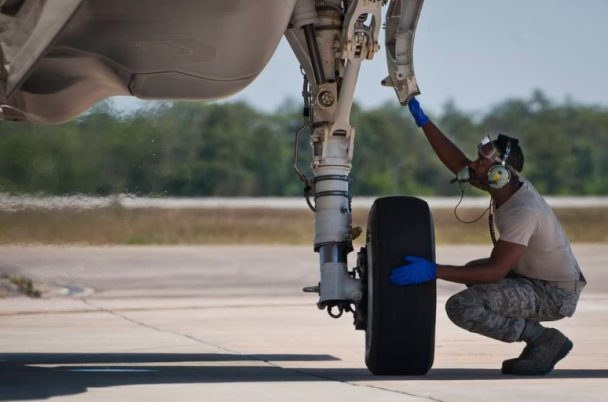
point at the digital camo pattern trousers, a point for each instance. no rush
(500, 310)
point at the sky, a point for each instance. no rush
(476, 53)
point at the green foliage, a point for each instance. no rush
(196, 149)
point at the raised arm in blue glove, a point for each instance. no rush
(418, 270)
(416, 111)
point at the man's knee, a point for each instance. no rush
(453, 308)
(462, 308)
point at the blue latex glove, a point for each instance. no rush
(418, 270)
(416, 111)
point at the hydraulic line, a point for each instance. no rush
(305, 124)
(313, 52)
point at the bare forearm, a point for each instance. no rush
(469, 275)
(451, 156)
(503, 258)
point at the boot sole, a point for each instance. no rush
(563, 352)
(507, 366)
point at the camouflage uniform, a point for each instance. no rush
(500, 310)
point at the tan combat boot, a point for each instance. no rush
(540, 357)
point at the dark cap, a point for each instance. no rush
(514, 157)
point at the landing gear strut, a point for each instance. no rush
(331, 38)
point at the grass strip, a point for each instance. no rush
(121, 226)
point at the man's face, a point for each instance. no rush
(487, 155)
(480, 167)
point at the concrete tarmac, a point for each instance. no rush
(230, 323)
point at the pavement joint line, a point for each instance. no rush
(144, 325)
(249, 357)
(395, 391)
(430, 398)
(136, 309)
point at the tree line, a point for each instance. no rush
(231, 149)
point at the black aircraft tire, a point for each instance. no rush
(400, 324)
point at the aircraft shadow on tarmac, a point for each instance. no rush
(69, 374)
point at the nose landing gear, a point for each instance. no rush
(331, 38)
